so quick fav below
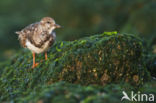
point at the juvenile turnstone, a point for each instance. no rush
(38, 37)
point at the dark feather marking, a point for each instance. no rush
(39, 45)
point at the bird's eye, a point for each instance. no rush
(48, 22)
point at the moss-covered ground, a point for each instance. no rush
(94, 69)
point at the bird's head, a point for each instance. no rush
(49, 24)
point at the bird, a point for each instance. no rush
(38, 37)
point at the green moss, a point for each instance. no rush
(63, 92)
(96, 60)
(110, 33)
(151, 64)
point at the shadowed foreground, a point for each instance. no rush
(96, 61)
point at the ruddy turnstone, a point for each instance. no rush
(38, 37)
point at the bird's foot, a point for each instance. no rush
(35, 65)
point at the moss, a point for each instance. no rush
(110, 33)
(63, 92)
(71, 93)
(151, 64)
(98, 60)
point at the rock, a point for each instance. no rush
(97, 60)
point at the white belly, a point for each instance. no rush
(36, 49)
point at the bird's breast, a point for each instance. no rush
(39, 48)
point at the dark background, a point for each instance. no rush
(79, 18)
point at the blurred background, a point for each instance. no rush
(79, 18)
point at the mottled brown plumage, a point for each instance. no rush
(39, 36)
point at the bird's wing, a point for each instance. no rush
(43, 37)
(26, 33)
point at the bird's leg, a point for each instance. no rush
(34, 63)
(46, 57)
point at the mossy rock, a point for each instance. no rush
(99, 60)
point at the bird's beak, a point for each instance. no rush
(57, 26)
